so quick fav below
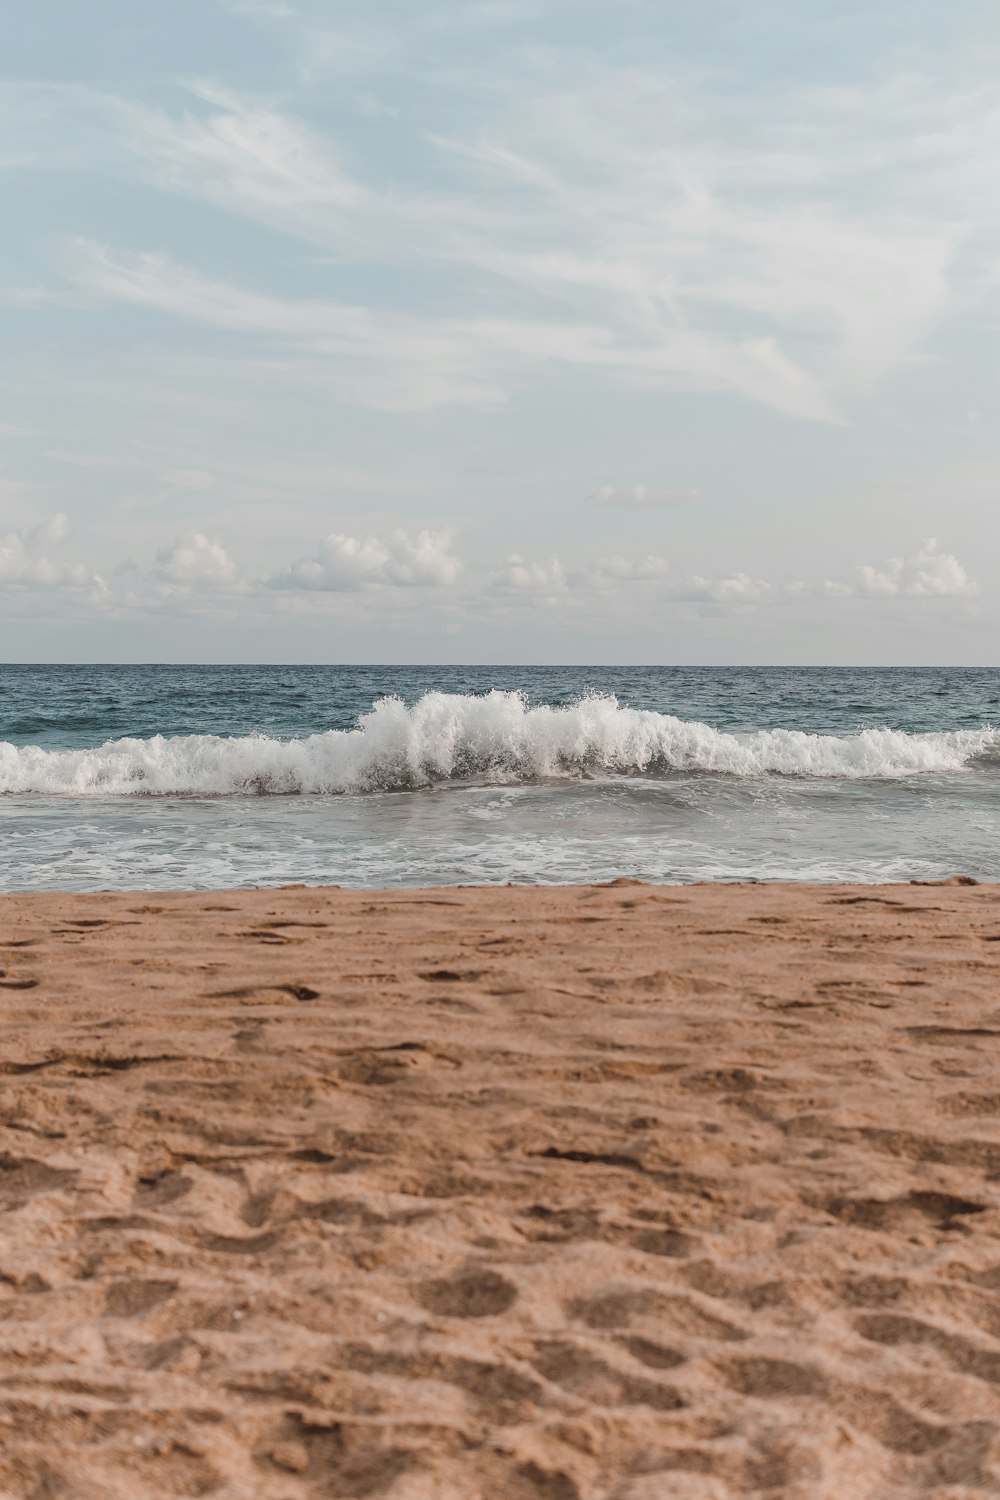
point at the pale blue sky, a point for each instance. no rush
(509, 330)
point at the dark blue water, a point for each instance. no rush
(79, 706)
(208, 776)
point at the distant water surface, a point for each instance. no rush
(197, 777)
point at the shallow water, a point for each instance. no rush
(159, 777)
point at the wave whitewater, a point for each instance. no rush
(495, 738)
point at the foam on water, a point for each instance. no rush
(494, 738)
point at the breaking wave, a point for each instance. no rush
(494, 738)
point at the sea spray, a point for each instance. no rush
(495, 738)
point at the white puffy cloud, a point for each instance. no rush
(548, 580)
(344, 563)
(194, 559)
(25, 559)
(640, 497)
(734, 588)
(634, 570)
(51, 532)
(929, 573)
(540, 578)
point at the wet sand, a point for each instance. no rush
(600, 1193)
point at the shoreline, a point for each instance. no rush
(551, 1193)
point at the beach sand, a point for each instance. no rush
(600, 1193)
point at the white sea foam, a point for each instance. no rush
(496, 738)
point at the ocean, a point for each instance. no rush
(194, 777)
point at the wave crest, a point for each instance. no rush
(496, 738)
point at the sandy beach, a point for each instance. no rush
(593, 1193)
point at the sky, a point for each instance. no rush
(500, 331)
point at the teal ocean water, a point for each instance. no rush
(196, 777)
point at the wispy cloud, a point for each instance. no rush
(641, 497)
(268, 10)
(304, 290)
(395, 360)
(380, 358)
(633, 249)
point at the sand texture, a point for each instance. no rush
(603, 1193)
